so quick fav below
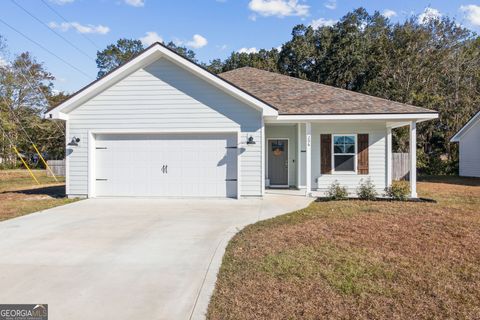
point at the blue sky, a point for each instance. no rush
(213, 28)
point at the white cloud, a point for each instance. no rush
(387, 13)
(151, 37)
(278, 8)
(61, 2)
(247, 50)
(321, 22)
(429, 14)
(331, 4)
(197, 42)
(90, 28)
(3, 62)
(135, 3)
(222, 47)
(472, 13)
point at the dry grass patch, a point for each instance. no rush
(20, 195)
(359, 260)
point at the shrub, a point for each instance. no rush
(366, 190)
(399, 190)
(336, 191)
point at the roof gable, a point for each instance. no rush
(471, 123)
(293, 96)
(145, 58)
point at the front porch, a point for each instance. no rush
(305, 158)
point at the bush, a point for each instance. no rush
(366, 190)
(399, 190)
(336, 191)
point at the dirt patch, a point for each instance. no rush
(20, 194)
(359, 260)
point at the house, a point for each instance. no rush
(161, 125)
(468, 138)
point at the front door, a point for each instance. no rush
(278, 162)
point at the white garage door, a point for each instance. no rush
(166, 165)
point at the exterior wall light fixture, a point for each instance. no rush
(74, 142)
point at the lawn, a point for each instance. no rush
(19, 193)
(359, 260)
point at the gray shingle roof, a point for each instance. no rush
(296, 96)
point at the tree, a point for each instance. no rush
(215, 66)
(183, 51)
(117, 54)
(263, 59)
(124, 50)
(25, 93)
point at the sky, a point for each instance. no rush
(212, 28)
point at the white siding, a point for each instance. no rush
(164, 96)
(470, 152)
(377, 155)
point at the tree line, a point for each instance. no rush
(433, 64)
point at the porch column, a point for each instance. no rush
(308, 171)
(413, 159)
(299, 154)
(389, 156)
(264, 141)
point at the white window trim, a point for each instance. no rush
(355, 155)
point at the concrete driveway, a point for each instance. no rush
(125, 258)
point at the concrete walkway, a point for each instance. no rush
(125, 258)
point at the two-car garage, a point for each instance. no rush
(164, 165)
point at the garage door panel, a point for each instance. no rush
(195, 165)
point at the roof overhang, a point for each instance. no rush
(466, 127)
(393, 117)
(149, 55)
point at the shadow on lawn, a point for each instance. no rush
(456, 180)
(52, 191)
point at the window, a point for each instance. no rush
(278, 147)
(344, 153)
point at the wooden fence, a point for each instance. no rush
(57, 166)
(400, 166)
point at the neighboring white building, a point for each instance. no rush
(469, 147)
(161, 125)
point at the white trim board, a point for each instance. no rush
(263, 149)
(346, 117)
(299, 154)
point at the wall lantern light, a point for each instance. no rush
(74, 142)
(250, 140)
